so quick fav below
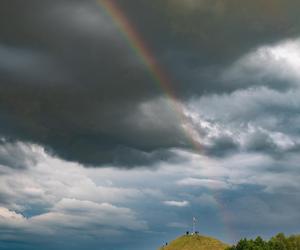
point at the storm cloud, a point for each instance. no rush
(72, 83)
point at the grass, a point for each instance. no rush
(195, 242)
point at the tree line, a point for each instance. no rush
(278, 242)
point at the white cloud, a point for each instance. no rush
(206, 183)
(7, 217)
(15, 155)
(52, 179)
(254, 119)
(74, 214)
(89, 215)
(177, 203)
(54, 196)
(280, 61)
(64, 196)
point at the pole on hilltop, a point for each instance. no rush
(194, 225)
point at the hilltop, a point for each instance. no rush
(195, 242)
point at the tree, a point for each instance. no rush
(278, 242)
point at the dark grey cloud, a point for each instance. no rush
(215, 30)
(70, 81)
(198, 38)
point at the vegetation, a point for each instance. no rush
(199, 242)
(279, 242)
(195, 242)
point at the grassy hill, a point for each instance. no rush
(195, 242)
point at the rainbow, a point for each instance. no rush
(138, 45)
(140, 48)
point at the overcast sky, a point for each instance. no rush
(95, 153)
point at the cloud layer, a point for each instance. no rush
(54, 200)
(71, 82)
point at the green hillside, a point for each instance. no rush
(195, 242)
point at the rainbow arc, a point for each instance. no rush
(160, 78)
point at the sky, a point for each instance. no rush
(123, 120)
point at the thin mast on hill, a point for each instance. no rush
(194, 225)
